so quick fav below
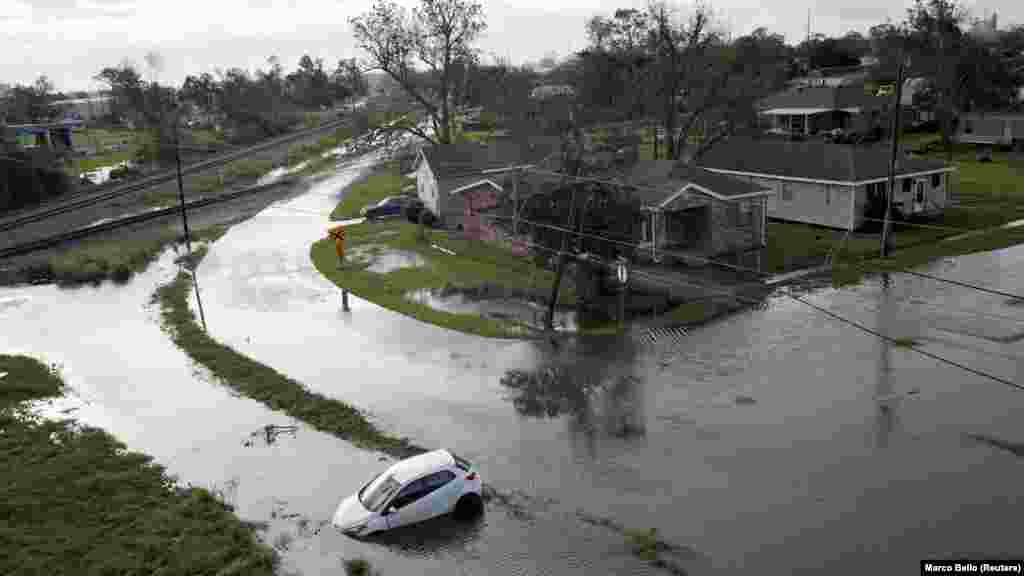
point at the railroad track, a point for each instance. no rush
(78, 233)
(358, 145)
(91, 199)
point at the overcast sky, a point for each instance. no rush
(71, 40)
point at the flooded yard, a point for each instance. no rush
(499, 308)
(775, 441)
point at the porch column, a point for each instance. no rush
(764, 222)
(654, 236)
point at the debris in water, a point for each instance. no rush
(442, 249)
(2, 375)
(270, 433)
(745, 400)
(1015, 448)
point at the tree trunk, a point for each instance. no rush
(563, 260)
(573, 170)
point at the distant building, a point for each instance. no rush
(84, 109)
(991, 129)
(807, 110)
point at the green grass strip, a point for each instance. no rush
(75, 501)
(260, 382)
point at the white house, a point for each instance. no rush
(444, 171)
(830, 184)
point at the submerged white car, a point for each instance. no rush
(410, 491)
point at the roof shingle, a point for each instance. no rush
(813, 160)
(657, 180)
(453, 160)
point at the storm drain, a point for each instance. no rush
(663, 336)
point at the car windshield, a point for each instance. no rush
(378, 492)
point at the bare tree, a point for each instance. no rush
(707, 85)
(437, 35)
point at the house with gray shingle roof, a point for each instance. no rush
(447, 174)
(691, 210)
(831, 184)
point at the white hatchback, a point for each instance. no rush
(410, 491)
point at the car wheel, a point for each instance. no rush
(468, 507)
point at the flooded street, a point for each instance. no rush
(775, 441)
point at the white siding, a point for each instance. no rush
(825, 205)
(935, 196)
(859, 206)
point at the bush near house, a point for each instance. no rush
(385, 181)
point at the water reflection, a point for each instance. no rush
(434, 536)
(885, 417)
(592, 381)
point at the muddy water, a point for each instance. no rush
(759, 441)
(500, 308)
(126, 377)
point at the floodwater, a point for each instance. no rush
(498, 308)
(777, 441)
(382, 259)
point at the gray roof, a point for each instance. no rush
(657, 180)
(827, 97)
(454, 160)
(811, 159)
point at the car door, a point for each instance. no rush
(444, 492)
(432, 495)
(407, 506)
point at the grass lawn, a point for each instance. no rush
(260, 382)
(474, 264)
(75, 501)
(246, 171)
(383, 182)
(99, 139)
(93, 261)
(990, 193)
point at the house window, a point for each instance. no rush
(906, 184)
(787, 192)
(828, 195)
(936, 180)
(968, 126)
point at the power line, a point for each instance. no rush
(833, 315)
(747, 269)
(963, 284)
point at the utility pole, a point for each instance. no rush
(181, 190)
(515, 200)
(892, 160)
(184, 220)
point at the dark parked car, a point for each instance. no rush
(415, 208)
(390, 206)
